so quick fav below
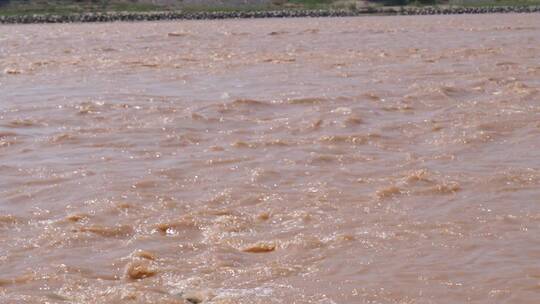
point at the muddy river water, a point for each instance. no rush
(329, 161)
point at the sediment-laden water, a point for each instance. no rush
(352, 160)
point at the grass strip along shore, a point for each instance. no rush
(56, 13)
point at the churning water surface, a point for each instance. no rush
(349, 160)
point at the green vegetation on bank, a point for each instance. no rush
(312, 4)
(460, 3)
(60, 7)
(66, 7)
(488, 3)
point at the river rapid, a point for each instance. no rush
(310, 160)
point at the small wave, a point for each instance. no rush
(371, 96)
(226, 161)
(16, 281)
(22, 123)
(309, 31)
(139, 269)
(45, 181)
(118, 231)
(9, 220)
(8, 139)
(442, 188)
(349, 139)
(278, 60)
(506, 63)
(90, 108)
(322, 159)
(178, 34)
(185, 225)
(305, 101)
(65, 138)
(4, 135)
(77, 217)
(248, 102)
(277, 33)
(389, 192)
(12, 71)
(260, 247)
(145, 184)
(263, 143)
(400, 107)
(514, 180)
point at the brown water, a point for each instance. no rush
(353, 160)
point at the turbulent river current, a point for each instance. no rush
(310, 160)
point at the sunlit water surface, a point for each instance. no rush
(352, 160)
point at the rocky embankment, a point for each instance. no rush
(180, 15)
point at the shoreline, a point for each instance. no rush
(254, 14)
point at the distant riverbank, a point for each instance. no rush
(285, 13)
